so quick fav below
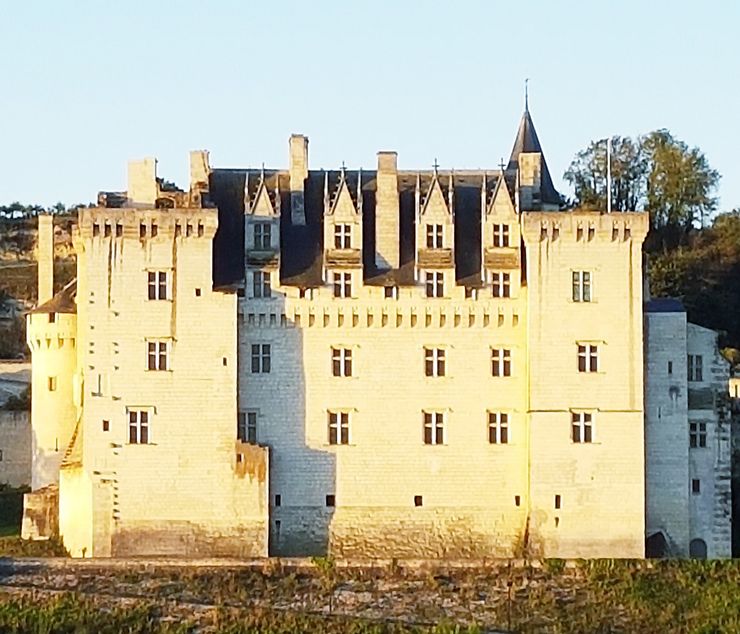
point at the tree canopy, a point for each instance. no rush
(655, 172)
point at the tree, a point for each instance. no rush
(656, 172)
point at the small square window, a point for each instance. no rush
(52, 383)
(142, 230)
(201, 230)
(557, 502)
(517, 500)
(106, 425)
(418, 500)
(52, 318)
(155, 230)
(278, 500)
(670, 367)
(225, 361)
(119, 230)
(390, 292)
(96, 229)
(197, 292)
(696, 486)
(330, 500)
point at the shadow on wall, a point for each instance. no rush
(302, 479)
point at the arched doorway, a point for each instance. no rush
(698, 549)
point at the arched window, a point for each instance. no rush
(698, 549)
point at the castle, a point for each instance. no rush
(368, 363)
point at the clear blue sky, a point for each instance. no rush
(88, 85)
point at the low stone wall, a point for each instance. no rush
(15, 448)
(41, 513)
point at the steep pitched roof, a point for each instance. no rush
(527, 141)
(62, 302)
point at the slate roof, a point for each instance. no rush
(62, 302)
(527, 141)
(664, 305)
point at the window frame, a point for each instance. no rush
(342, 235)
(260, 358)
(434, 282)
(584, 422)
(158, 284)
(435, 235)
(697, 435)
(434, 427)
(500, 284)
(341, 361)
(139, 425)
(498, 428)
(261, 284)
(435, 361)
(501, 362)
(158, 353)
(588, 357)
(246, 426)
(338, 427)
(582, 287)
(695, 368)
(501, 234)
(342, 283)
(262, 236)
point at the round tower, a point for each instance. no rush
(52, 337)
(51, 334)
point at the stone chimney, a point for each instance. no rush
(298, 175)
(142, 183)
(387, 214)
(199, 170)
(530, 181)
(45, 258)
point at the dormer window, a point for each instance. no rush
(500, 235)
(434, 236)
(342, 236)
(262, 236)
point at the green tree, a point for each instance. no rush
(657, 173)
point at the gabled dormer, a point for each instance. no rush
(343, 221)
(501, 239)
(262, 226)
(435, 222)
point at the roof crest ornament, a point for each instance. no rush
(526, 95)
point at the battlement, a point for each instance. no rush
(143, 224)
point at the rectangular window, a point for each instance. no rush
(342, 285)
(498, 428)
(246, 427)
(339, 428)
(582, 427)
(262, 236)
(261, 284)
(138, 426)
(342, 236)
(157, 283)
(500, 235)
(261, 358)
(501, 362)
(670, 367)
(434, 428)
(341, 361)
(501, 284)
(434, 361)
(588, 357)
(52, 383)
(391, 292)
(696, 486)
(435, 236)
(435, 284)
(697, 435)
(157, 353)
(581, 286)
(695, 367)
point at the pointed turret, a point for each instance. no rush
(527, 158)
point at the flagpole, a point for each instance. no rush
(609, 175)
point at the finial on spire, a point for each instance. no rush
(262, 171)
(526, 95)
(435, 166)
(501, 164)
(343, 168)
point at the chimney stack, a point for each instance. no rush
(142, 182)
(298, 176)
(45, 258)
(387, 214)
(199, 170)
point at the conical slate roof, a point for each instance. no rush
(527, 141)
